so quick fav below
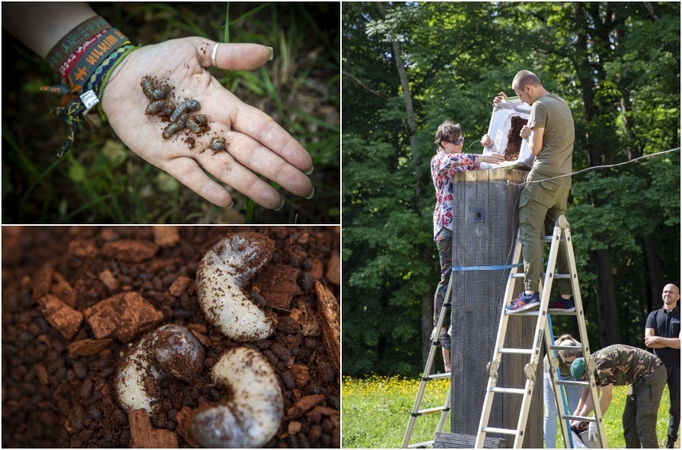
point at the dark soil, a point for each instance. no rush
(53, 399)
(511, 153)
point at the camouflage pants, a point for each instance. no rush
(641, 410)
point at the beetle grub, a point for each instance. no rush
(218, 144)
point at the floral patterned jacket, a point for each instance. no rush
(443, 167)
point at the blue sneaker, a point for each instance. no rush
(523, 302)
(562, 304)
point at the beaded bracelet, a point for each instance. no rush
(89, 75)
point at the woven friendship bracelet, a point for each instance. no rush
(71, 61)
(94, 57)
(67, 46)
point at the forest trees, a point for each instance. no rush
(616, 65)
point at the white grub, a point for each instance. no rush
(221, 276)
(170, 350)
(255, 410)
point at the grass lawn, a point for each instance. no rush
(376, 411)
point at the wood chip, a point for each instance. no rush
(328, 310)
(123, 316)
(109, 280)
(179, 286)
(130, 250)
(306, 318)
(61, 316)
(301, 375)
(277, 284)
(333, 274)
(304, 405)
(41, 372)
(205, 341)
(294, 427)
(84, 248)
(317, 270)
(63, 290)
(87, 347)
(183, 417)
(42, 281)
(145, 436)
(166, 236)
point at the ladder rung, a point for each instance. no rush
(434, 409)
(436, 376)
(421, 444)
(547, 238)
(573, 383)
(500, 430)
(559, 276)
(516, 351)
(580, 418)
(566, 347)
(508, 390)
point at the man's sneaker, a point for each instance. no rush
(562, 304)
(523, 302)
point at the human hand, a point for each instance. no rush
(486, 141)
(650, 340)
(501, 96)
(255, 143)
(593, 432)
(525, 132)
(492, 158)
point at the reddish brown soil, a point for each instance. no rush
(52, 397)
(511, 153)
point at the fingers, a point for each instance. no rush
(234, 56)
(188, 172)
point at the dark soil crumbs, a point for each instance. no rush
(511, 153)
(59, 392)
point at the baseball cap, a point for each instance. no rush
(578, 368)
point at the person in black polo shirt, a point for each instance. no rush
(662, 334)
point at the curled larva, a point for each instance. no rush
(182, 120)
(160, 107)
(171, 350)
(187, 105)
(196, 122)
(161, 92)
(217, 144)
(147, 87)
(253, 414)
(172, 128)
(221, 276)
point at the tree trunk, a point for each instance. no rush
(653, 261)
(607, 306)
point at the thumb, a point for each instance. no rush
(235, 56)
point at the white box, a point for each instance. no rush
(500, 123)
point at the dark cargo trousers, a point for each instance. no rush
(641, 410)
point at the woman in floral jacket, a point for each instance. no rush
(448, 160)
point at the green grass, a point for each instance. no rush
(376, 411)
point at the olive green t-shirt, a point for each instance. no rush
(553, 114)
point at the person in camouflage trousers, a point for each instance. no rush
(621, 365)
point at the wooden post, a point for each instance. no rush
(485, 223)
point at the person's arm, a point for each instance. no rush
(653, 341)
(534, 136)
(605, 399)
(54, 20)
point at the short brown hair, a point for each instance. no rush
(447, 132)
(567, 339)
(525, 78)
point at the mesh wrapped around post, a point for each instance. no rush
(485, 221)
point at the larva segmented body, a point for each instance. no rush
(160, 107)
(182, 120)
(196, 122)
(147, 87)
(171, 129)
(161, 92)
(187, 105)
(218, 144)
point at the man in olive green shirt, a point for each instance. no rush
(550, 135)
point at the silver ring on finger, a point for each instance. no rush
(214, 52)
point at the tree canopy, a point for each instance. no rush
(407, 67)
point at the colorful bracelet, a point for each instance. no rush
(68, 45)
(87, 79)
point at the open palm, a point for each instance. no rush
(255, 143)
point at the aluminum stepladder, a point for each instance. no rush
(426, 377)
(542, 335)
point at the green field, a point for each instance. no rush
(376, 411)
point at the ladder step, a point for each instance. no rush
(566, 347)
(436, 376)
(508, 390)
(573, 383)
(580, 418)
(433, 410)
(500, 431)
(558, 276)
(547, 238)
(516, 351)
(424, 444)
